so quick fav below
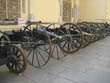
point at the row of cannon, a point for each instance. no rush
(37, 42)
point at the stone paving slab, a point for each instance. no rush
(88, 65)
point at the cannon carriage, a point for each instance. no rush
(12, 55)
(86, 33)
(42, 41)
(36, 43)
(93, 30)
(57, 36)
(70, 37)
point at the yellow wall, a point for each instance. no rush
(46, 10)
(90, 10)
(42, 10)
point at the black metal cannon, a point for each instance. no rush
(86, 33)
(72, 39)
(12, 55)
(107, 28)
(36, 42)
(92, 31)
(42, 40)
(98, 29)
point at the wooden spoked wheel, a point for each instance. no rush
(87, 36)
(57, 52)
(27, 37)
(4, 40)
(92, 30)
(96, 31)
(41, 49)
(102, 30)
(19, 62)
(73, 38)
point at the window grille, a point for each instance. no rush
(10, 9)
(67, 11)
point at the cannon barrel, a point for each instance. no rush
(40, 30)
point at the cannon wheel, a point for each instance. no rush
(27, 37)
(86, 38)
(95, 31)
(57, 52)
(40, 53)
(19, 62)
(98, 32)
(41, 50)
(92, 31)
(102, 30)
(4, 40)
(75, 38)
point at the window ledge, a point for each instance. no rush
(8, 22)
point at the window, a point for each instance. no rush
(10, 9)
(23, 6)
(2, 9)
(67, 10)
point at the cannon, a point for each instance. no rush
(12, 55)
(107, 28)
(40, 30)
(86, 33)
(42, 41)
(37, 44)
(92, 31)
(97, 29)
(67, 37)
(61, 42)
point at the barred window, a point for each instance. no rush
(67, 7)
(10, 9)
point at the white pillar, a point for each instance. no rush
(76, 11)
(31, 17)
(108, 11)
(60, 11)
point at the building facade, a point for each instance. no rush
(55, 10)
(70, 10)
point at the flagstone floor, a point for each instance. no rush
(88, 65)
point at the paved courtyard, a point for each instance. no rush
(89, 65)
